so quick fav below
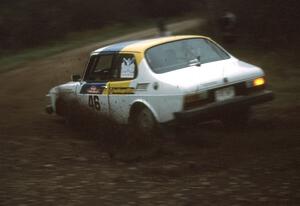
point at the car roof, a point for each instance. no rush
(142, 45)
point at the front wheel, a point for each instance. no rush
(61, 107)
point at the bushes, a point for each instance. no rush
(268, 22)
(30, 23)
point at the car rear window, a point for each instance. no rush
(179, 54)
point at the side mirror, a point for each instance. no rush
(75, 77)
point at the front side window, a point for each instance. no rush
(112, 67)
(100, 68)
(179, 54)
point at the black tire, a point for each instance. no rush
(61, 106)
(145, 122)
(64, 109)
(236, 119)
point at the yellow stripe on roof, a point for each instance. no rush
(142, 46)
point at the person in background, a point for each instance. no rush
(228, 23)
(162, 29)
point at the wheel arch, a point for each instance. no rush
(137, 106)
(62, 103)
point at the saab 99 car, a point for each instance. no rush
(167, 80)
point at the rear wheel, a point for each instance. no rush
(145, 123)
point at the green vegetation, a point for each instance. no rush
(10, 59)
(35, 28)
(71, 41)
(31, 23)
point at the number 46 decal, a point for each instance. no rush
(94, 102)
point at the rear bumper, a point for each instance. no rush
(217, 108)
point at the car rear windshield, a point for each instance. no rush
(183, 53)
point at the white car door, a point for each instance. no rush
(93, 90)
(122, 88)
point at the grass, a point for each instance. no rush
(11, 60)
(71, 41)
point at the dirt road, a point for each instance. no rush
(45, 162)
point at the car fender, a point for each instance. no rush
(146, 104)
(66, 90)
(51, 98)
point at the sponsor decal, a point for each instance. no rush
(122, 90)
(127, 68)
(95, 88)
(100, 88)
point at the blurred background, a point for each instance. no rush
(32, 23)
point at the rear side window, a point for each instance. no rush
(126, 66)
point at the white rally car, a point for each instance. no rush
(165, 80)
